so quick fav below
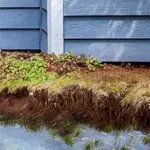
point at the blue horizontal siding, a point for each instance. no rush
(44, 44)
(44, 4)
(19, 3)
(106, 7)
(19, 39)
(107, 27)
(19, 18)
(112, 30)
(112, 50)
(20, 24)
(44, 20)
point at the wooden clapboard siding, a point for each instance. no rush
(18, 18)
(44, 44)
(106, 7)
(44, 20)
(107, 27)
(20, 24)
(19, 39)
(112, 30)
(44, 4)
(112, 50)
(19, 3)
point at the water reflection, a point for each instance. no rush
(32, 135)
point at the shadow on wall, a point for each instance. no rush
(132, 28)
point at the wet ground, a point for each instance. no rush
(19, 137)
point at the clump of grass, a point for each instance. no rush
(28, 123)
(108, 128)
(93, 144)
(124, 148)
(77, 132)
(146, 139)
(68, 140)
(147, 94)
(52, 132)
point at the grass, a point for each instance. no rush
(146, 139)
(19, 70)
(94, 144)
(124, 148)
(68, 139)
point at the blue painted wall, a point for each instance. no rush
(23, 24)
(44, 44)
(112, 30)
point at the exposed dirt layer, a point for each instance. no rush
(78, 103)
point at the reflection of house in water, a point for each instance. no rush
(112, 30)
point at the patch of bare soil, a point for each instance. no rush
(78, 103)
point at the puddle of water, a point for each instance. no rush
(16, 137)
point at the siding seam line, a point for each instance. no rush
(19, 7)
(40, 40)
(106, 38)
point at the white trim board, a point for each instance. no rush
(55, 22)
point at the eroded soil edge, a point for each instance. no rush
(75, 102)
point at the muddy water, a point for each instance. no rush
(18, 137)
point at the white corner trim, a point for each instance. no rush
(55, 21)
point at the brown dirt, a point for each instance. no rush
(78, 103)
(76, 63)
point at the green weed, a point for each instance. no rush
(30, 70)
(92, 63)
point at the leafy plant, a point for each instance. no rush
(68, 55)
(64, 57)
(92, 63)
(32, 69)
